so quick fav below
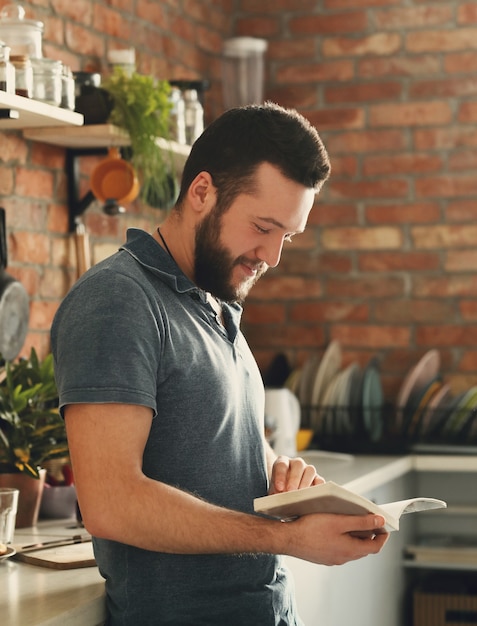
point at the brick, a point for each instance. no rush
(442, 40)
(468, 362)
(285, 50)
(444, 236)
(316, 265)
(153, 12)
(463, 160)
(327, 311)
(390, 188)
(364, 92)
(461, 211)
(444, 88)
(351, 22)
(410, 312)
(468, 310)
(355, 238)
(467, 112)
(366, 141)
(27, 247)
(445, 335)
(83, 41)
(338, 119)
(467, 13)
(14, 148)
(33, 182)
(256, 313)
(450, 286)
(379, 44)
(42, 314)
(346, 165)
(399, 66)
(25, 213)
(316, 72)
(371, 337)
(6, 181)
(284, 288)
(363, 287)
(413, 17)
(401, 164)
(403, 213)
(446, 186)
(444, 138)
(410, 114)
(300, 97)
(80, 11)
(401, 261)
(289, 336)
(258, 26)
(460, 62)
(460, 261)
(333, 214)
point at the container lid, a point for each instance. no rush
(14, 15)
(244, 46)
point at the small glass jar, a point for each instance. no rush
(23, 75)
(47, 80)
(7, 70)
(67, 89)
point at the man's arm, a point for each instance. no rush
(120, 503)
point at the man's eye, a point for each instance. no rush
(264, 231)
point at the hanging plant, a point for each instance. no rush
(142, 108)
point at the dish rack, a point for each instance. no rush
(389, 429)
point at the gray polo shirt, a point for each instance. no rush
(136, 330)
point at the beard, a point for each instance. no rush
(214, 265)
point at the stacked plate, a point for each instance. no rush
(339, 402)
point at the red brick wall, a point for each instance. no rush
(387, 263)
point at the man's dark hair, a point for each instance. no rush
(241, 139)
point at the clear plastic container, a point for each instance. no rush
(47, 80)
(23, 36)
(7, 70)
(177, 116)
(242, 71)
(67, 89)
(23, 75)
(193, 115)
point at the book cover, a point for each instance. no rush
(330, 497)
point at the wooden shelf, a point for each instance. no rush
(101, 136)
(29, 113)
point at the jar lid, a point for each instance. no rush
(14, 15)
(244, 46)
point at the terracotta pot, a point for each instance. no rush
(29, 499)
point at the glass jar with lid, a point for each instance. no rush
(47, 80)
(7, 71)
(23, 36)
(23, 75)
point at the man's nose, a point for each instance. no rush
(271, 252)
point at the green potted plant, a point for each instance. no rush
(31, 430)
(141, 106)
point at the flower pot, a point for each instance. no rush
(29, 499)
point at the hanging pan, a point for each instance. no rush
(14, 304)
(114, 179)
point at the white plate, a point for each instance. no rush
(418, 377)
(8, 553)
(327, 370)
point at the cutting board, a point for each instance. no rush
(63, 557)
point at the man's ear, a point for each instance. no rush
(202, 192)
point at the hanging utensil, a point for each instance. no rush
(14, 304)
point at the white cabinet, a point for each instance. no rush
(367, 592)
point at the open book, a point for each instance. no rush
(332, 498)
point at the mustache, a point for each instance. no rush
(259, 267)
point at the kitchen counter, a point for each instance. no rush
(34, 596)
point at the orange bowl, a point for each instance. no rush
(114, 179)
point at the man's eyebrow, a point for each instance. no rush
(272, 220)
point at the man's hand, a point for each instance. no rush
(290, 474)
